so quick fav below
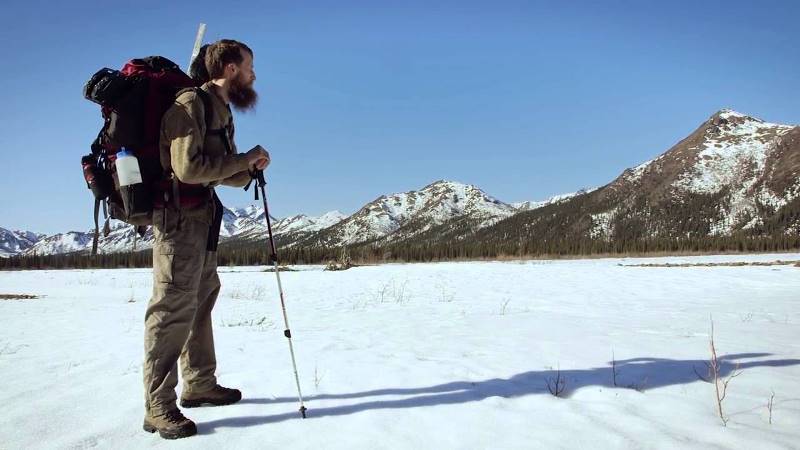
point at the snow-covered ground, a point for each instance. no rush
(419, 356)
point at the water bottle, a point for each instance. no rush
(127, 168)
(137, 199)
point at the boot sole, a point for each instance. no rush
(206, 402)
(170, 435)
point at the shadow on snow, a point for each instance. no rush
(641, 374)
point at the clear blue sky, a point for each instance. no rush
(358, 99)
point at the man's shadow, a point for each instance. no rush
(641, 374)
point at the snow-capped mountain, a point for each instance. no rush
(71, 241)
(121, 237)
(389, 218)
(239, 223)
(750, 164)
(304, 223)
(734, 175)
(14, 242)
(403, 215)
(526, 206)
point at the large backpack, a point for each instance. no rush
(132, 101)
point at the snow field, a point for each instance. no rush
(449, 355)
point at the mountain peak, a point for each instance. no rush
(445, 183)
(726, 115)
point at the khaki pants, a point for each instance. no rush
(178, 317)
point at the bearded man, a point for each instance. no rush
(198, 153)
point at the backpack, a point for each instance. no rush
(133, 101)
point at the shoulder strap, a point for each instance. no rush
(209, 110)
(96, 226)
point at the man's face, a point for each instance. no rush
(241, 93)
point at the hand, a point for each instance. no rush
(258, 158)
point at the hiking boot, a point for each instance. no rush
(217, 396)
(171, 425)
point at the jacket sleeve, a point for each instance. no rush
(184, 127)
(238, 180)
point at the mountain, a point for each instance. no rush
(14, 242)
(734, 175)
(525, 206)
(404, 215)
(71, 241)
(240, 223)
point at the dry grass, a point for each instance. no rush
(557, 257)
(280, 269)
(717, 264)
(17, 296)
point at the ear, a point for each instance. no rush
(232, 68)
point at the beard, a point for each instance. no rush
(242, 96)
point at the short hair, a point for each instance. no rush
(197, 70)
(223, 52)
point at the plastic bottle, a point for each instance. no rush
(127, 168)
(137, 198)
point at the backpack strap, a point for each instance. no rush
(174, 183)
(208, 108)
(106, 227)
(96, 225)
(107, 224)
(208, 113)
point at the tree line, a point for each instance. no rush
(256, 253)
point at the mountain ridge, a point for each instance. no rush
(733, 174)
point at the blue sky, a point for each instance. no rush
(358, 99)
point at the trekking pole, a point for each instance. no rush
(273, 259)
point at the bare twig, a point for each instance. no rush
(769, 406)
(638, 387)
(720, 384)
(399, 292)
(556, 385)
(446, 297)
(613, 368)
(706, 378)
(317, 377)
(504, 306)
(382, 292)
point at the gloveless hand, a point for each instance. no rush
(258, 157)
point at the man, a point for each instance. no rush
(199, 156)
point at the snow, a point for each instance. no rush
(62, 243)
(449, 355)
(16, 241)
(601, 224)
(245, 222)
(526, 206)
(721, 157)
(307, 224)
(734, 154)
(637, 172)
(433, 205)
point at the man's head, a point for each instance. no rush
(233, 61)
